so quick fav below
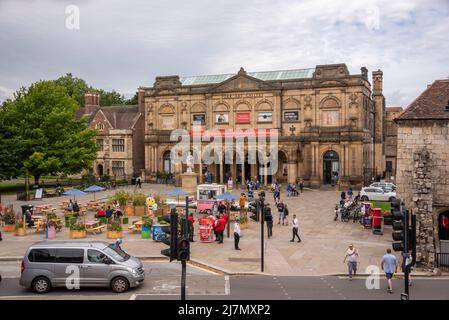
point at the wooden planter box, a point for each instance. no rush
(114, 234)
(75, 234)
(20, 232)
(244, 226)
(9, 227)
(139, 210)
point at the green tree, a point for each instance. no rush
(132, 101)
(110, 98)
(51, 140)
(10, 149)
(76, 87)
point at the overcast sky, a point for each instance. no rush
(123, 44)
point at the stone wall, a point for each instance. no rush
(423, 179)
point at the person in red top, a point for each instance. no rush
(191, 222)
(101, 212)
(219, 227)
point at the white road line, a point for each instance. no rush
(227, 286)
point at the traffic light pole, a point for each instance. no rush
(405, 253)
(183, 262)
(262, 220)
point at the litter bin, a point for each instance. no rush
(26, 207)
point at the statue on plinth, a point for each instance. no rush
(189, 162)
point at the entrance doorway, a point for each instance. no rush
(331, 167)
(100, 170)
(443, 225)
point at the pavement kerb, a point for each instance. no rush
(399, 275)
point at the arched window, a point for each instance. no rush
(167, 162)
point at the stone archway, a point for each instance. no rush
(100, 170)
(281, 175)
(331, 167)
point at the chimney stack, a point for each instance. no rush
(377, 82)
(91, 102)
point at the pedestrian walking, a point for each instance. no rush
(220, 226)
(301, 185)
(285, 215)
(390, 265)
(352, 255)
(268, 220)
(191, 227)
(280, 207)
(295, 229)
(237, 234)
(289, 189)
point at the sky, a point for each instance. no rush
(121, 45)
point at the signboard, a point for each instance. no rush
(243, 117)
(291, 116)
(158, 234)
(235, 133)
(38, 194)
(150, 201)
(222, 118)
(330, 118)
(167, 122)
(264, 117)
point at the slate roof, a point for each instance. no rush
(429, 105)
(120, 117)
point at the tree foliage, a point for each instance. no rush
(48, 139)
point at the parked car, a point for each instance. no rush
(384, 185)
(48, 264)
(376, 194)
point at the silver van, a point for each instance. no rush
(75, 264)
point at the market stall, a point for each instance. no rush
(207, 194)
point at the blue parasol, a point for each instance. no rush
(74, 192)
(94, 188)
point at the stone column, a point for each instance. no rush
(292, 174)
(243, 173)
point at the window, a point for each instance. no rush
(199, 118)
(118, 168)
(100, 143)
(69, 255)
(42, 255)
(167, 162)
(118, 145)
(115, 253)
(96, 256)
(100, 126)
(389, 166)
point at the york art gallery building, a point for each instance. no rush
(330, 122)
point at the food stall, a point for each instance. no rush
(206, 194)
(206, 229)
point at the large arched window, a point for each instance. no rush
(167, 162)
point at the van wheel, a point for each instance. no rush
(365, 198)
(119, 284)
(41, 285)
(391, 199)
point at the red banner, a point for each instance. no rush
(235, 133)
(243, 117)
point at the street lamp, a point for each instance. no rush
(262, 221)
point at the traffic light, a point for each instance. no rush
(184, 249)
(172, 232)
(400, 233)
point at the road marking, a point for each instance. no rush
(227, 286)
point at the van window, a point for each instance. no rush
(69, 255)
(42, 255)
(96, 256)
(115, 253)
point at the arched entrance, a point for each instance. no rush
(331, 167)
(166, 162)
(443, 225)
(282, 170)
(100, 170)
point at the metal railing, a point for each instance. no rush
(442, 261)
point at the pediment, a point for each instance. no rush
(242, 83)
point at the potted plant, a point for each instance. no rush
(114, 230)
(77, 230)
(9, 219)
(138, 201)
(244, 222)
(123, 198)
(146, 228)
(20, 229)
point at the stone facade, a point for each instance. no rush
(120, 136)
(321, 113)
(423, 168)
(391, 139)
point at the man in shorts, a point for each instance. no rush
(390, 265)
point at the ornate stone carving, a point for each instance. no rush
(353, 100)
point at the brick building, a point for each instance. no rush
(120, 138)
(423, 168)
(391, 139)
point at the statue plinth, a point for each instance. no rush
(189, 181)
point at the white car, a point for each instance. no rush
(383, 185)
(376, 194)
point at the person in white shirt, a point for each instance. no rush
(352, 255)
(237, 234)
(295, 229)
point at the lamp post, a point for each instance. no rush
(262, 221)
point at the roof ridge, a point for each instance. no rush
(248, 72)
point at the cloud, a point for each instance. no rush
(124, 44)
